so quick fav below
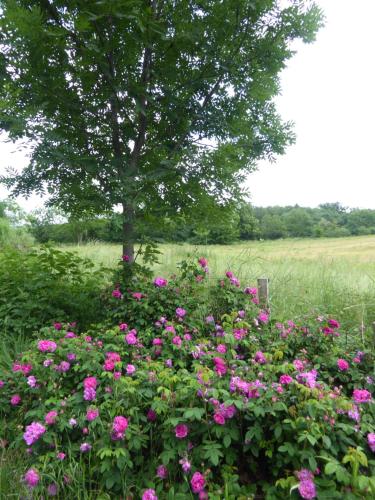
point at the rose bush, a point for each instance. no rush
(168, 403)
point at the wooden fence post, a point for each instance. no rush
(263, 292)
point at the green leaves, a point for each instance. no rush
(46, 285)
(212, 452)
(194, 413)
(111, 125)
(288, 448)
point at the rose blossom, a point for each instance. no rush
(85, 447)
(33, 432)
(50, 418)
(117, 294)
(70, 335)
(162, 471)
(285, 379)
(109, 365)
(177, 341)
(160, 282)
(180, 312)
(197, 482)
(92, 414)
(342, 365)
(298, 365)
(89, 394)
(181, 431)
(25, 369)
(263, 317)
(119, 426)
(149, 494)
(361, 396)
(307, 489)
(202, 262)
(219, 418)
(31, 478)
(371, 441)
(260, 358)
(185, 464)
(221, 348)
(220, 366)
(131, 338)
(90, 383)
(15, 400)
(63, 367)
(47, 346)
(151, 415)
(333, 323)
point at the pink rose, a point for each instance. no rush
(342, 365)
(47, 346)
(160, 282)
(285, 379)
(51, 417)
(197, 482)
(92, 414)
(361, 396)
(181, 431)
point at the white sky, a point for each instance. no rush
(328, 90)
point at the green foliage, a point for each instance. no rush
(45, 285)
(12, 232)
(219, 225)
(273, 227)
(160, 107)
(261, 401)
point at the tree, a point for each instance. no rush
(248, 224)
(299, 222)
(273, 227)
(154, 105)
(361, 221)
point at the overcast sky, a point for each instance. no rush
(328, 90)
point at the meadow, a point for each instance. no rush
(328, 275)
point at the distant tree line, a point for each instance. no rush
(241, 222)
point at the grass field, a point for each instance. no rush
(331, 275)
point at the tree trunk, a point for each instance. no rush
(128, 232)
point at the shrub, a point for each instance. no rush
(45, 285)
(238, 408)
(14, 237)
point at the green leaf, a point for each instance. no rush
(194, 413)
(227, 441)
(331, 468)
(327, 442)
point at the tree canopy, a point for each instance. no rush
(160, 106)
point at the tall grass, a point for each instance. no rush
(333, 276)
